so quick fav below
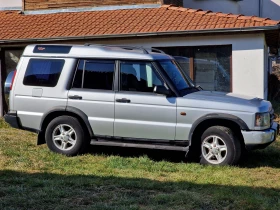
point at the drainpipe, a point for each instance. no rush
(260, 7)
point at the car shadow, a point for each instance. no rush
(269, 157)
(153, 154)
(33, 190)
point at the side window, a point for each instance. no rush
(43, 72)
(95, 74)
(138, 76)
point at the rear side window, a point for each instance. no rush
(52, 49)
(43, 72)
(95, 74)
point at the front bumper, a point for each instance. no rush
(260, 139)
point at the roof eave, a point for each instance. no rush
(130, 35)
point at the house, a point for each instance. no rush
(260, 8)
(219, 51)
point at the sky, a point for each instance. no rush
(10, 3)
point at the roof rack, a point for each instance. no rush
(144, 50)
(157, 50)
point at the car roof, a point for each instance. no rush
(95, 51)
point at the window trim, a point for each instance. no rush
(74, 76)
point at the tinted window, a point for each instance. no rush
(95, 74)
(43, 72)
(52, 49)
(139, 76)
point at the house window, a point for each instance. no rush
(208, 66)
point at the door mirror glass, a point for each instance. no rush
(162, 90)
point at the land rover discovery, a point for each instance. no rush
(73, 96)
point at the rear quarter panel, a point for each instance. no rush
(31, 102)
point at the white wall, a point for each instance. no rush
(269, 8)
(247, 57)
(213, 5)
(10, 3)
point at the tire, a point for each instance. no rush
(219, 146)
(65, 135)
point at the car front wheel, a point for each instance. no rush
(219, 146)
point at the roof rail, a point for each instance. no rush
(157, 50)
(145, 51)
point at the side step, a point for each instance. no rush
(145, 146)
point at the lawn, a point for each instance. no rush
(32, 177)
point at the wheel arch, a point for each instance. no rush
(226, 120)
(59, 111)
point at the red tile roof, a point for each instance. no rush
(15, 26)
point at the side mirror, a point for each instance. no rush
(162, 90)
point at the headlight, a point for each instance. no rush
(262, 120)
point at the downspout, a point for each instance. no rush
(260, 7)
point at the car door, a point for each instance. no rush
(92, 93)
(140, 113)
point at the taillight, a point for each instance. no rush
(15, 72)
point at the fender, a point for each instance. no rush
(220, 116)
(70, 109)
(83, 116)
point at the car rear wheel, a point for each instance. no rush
(65, 135)
(219, 146)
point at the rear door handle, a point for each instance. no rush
(75, 97)
(123, 100)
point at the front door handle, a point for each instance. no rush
(75, 97)
(123, 100)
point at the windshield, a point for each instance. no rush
(180, 81)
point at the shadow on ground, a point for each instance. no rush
(55, 191)
(156, 155)
(269, 157)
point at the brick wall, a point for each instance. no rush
(58, 4)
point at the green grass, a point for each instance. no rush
(32, 177)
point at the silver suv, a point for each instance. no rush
(73, 96)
